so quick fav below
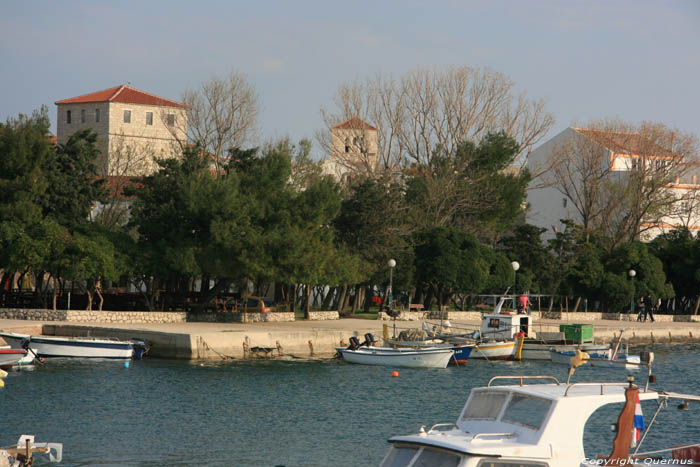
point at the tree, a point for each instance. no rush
(221, 114)
(680, 254)
(537, 263)
(470, 189)
(73, 185)
(429, 108)
(451, 261)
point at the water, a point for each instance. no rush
(165, 412)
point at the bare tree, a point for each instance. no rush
(429, 108)
(619, 177)
(221, 114)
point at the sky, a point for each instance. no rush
(637, 60)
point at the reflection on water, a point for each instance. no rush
(266, 413)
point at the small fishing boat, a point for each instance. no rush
(462, 351)
(429, 357)
(539, 424)
(494, 350)
(10, 357)
(610, 358)
(73, 347)
(630, 362)
(366, 354)
(26, 450)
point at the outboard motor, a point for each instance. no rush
(354, 343)
(24, 344)
(369, 340)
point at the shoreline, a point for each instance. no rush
(311, 339)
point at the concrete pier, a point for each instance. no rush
(311, 339)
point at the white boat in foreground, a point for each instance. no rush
(73, 347)
(534, 425)
(430, 357)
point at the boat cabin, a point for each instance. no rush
(505, 325)
(525, 425)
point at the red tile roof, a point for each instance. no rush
(355, 123)
(124, 94)
(632, 143)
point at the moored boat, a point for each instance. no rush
(10, 357)
(430, 357)
(71, 347)
(461, 351)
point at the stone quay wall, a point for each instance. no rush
(94, 316)
(155, 317)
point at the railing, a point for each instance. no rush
(500, 435)
(522, 377)
(602, 386)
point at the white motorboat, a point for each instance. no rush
(533, 425)
(74, 347)
(429, 357)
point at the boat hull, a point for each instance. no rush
(500, 350)
(410, 358)
(600, 360)
(70, 347)
(534, 351)
(10, 357)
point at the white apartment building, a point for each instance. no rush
(622, 152)
(133, 128)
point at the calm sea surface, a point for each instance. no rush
(266, 413)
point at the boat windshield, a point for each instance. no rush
(485, 405)
(527, 411)
(405, 455)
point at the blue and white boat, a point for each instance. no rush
(74, 347)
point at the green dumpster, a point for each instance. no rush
(577, 333)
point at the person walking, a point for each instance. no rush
(648, 305)
(640, 305)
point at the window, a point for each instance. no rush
(430, 458)
(83, 116)
(149, 118)
(484, 405)
(526, 411)
(171, 120)
(97, 115)
(347, 144)
(68, 116)
(127, 116)
(564, 202)
(400, 456)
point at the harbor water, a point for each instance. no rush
(275, 413)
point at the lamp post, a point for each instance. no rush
(392, 265)
(516, 266)
(632, 273)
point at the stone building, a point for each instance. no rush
(133, 128)
(353, 149)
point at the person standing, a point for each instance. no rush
(648, 304)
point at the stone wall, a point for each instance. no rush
(323, 315)
(94, 316)
(237, 317)
(403, 316)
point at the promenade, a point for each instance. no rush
(311, 339)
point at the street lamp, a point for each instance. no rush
(516, 266)
(632, 273)
(392, 265)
